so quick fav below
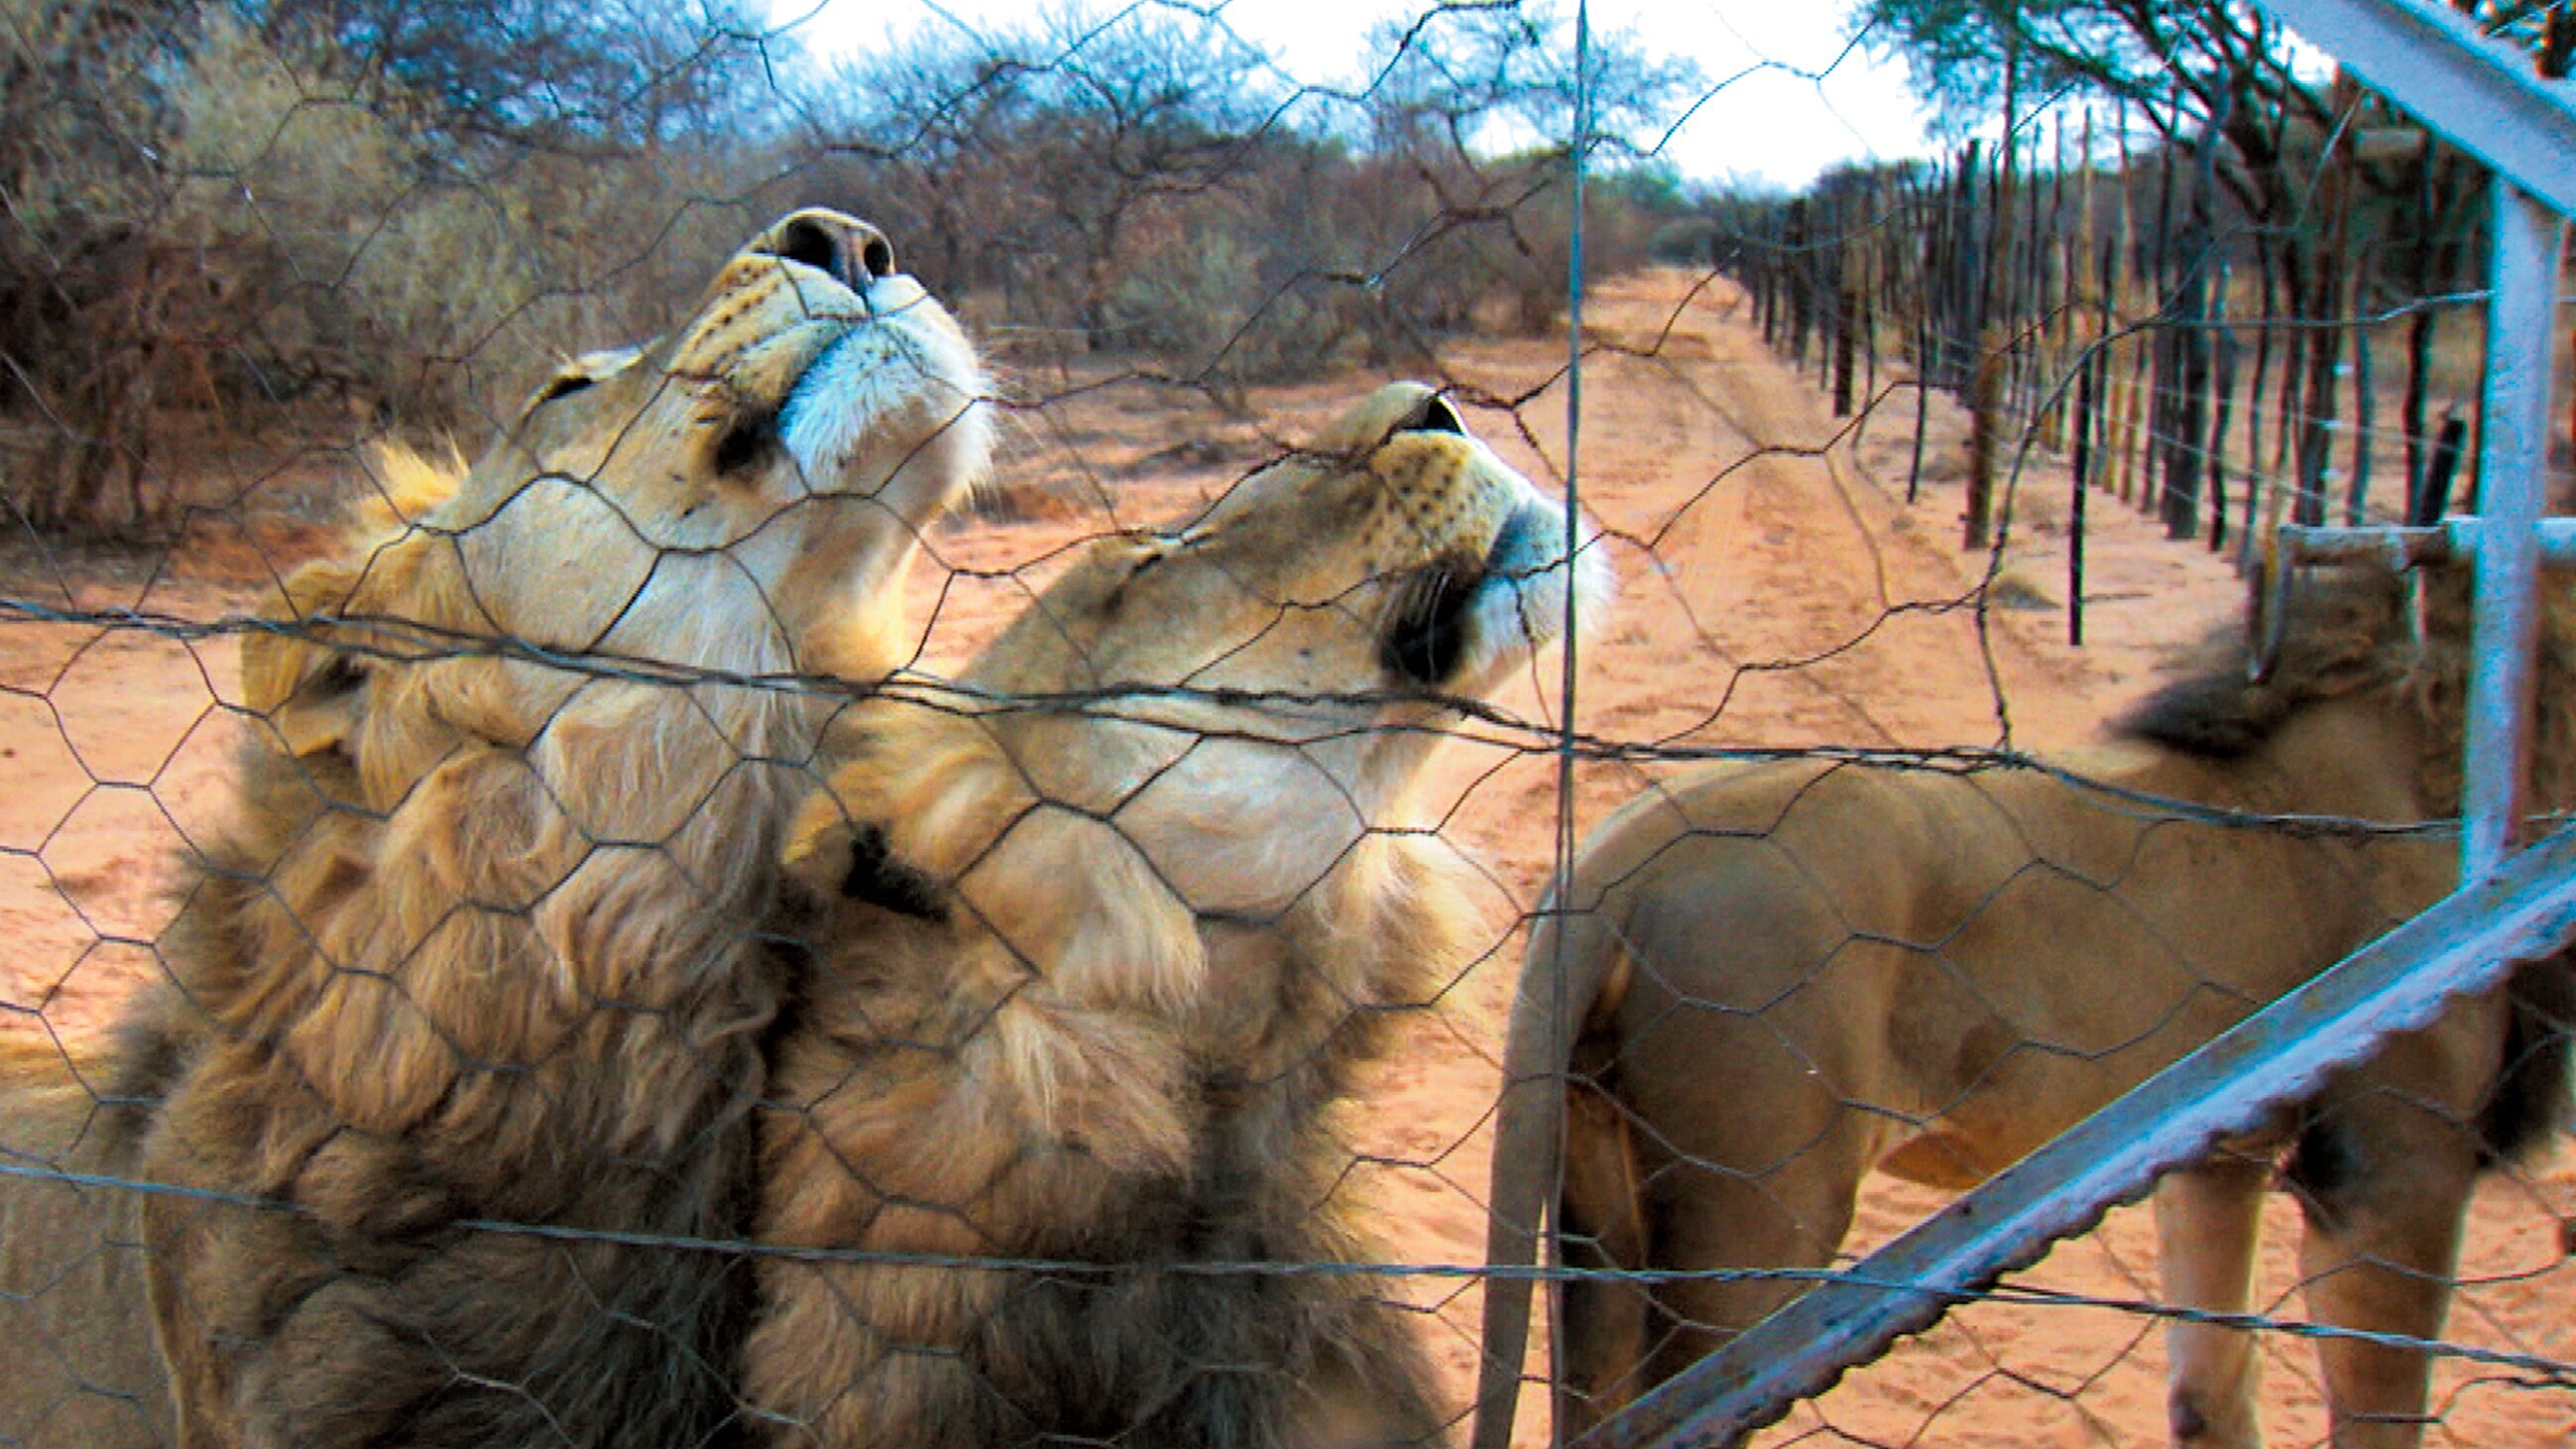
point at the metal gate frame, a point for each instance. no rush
(2481, 97)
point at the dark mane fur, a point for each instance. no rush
(2346, 630)
(2531, 1101)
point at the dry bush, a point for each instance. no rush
(1151, 190)
(331, 218)
(401, 277)
(90, 304)
(227, 230)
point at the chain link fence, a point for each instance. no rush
(734, 727)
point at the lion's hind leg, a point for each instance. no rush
(1601, 1320)
(2384, 1174)
(1753, 1242)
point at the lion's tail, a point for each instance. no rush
(1529, 1144)
(2534, 1093)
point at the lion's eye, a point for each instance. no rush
(587, 371)
(1435, 416)
(563, 385)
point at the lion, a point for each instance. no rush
(1103, 937)
(1777, 977)
(468, 1009)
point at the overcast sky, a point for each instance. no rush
(1788, 100)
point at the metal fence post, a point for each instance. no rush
(2528, 242)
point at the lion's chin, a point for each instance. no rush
(1524, 603)
(895, 393)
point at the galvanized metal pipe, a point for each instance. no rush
(2505, 629)
(2479, 93)
(2449, 541)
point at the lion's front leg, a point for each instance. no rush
(2383, 1169)
(1370, 1390)
(2209, 1221)
(867, 1354)
(948, 1133)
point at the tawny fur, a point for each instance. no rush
(82, 1369)
(475, 970)
(1091, 979)
(1776, 978)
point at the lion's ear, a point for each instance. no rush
(310, 691)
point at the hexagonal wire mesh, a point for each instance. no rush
(950, 858)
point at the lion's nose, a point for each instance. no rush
(849, 249)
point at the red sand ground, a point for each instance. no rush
(1751, 532)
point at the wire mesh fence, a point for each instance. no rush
(722, 729)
